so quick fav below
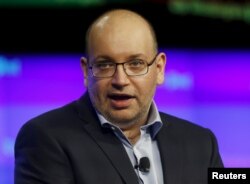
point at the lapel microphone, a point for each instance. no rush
(144, 164)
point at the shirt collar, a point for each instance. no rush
(152, 127)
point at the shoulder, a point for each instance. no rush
(56, 116)
(191, 137)
(184, 128)
(51, 122)
(176, 122)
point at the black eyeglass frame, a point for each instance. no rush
(148, 65)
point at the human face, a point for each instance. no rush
(121, 99)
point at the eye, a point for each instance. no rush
(136, 63)
(103, 65)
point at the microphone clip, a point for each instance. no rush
(144, 165)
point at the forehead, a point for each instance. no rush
(120, 35)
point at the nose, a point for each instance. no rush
(120, 78)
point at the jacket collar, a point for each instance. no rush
(106, 140)
(170, 150)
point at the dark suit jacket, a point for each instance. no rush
(68, 146)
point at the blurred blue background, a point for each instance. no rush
(207, 74)
(208, 87)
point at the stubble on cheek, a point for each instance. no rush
(126, 117)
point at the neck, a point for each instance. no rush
(133, 132)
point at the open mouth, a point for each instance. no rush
(120, 101)
(120, 96)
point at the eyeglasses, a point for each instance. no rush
(134, 67)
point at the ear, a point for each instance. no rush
(84, 67)
(160, 64)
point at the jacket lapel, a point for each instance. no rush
(106, 140)
(170, 147)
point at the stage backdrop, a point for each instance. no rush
(208, 87)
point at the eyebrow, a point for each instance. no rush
(112, 59)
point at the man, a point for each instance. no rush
(114, 133)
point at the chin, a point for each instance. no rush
(121, 119)
(122, 124)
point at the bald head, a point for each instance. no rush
(122, 24)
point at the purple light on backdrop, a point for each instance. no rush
(59, 77)
(210, 88)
